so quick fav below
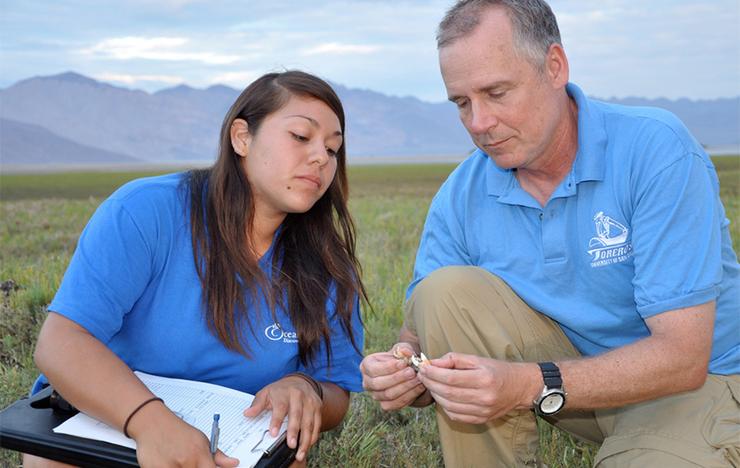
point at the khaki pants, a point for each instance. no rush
(468, 310)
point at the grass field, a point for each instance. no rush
(42, 215)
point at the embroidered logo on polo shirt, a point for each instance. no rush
(610, 245)
(275, 333)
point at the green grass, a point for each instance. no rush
(42, 215)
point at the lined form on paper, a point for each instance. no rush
(195, 403)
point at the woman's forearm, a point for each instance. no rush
(86, 372)
(334, 407)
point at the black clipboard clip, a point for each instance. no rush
(47, 397)
(273, 447)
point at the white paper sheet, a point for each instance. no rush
(196, 403)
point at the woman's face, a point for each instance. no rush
(292, 158)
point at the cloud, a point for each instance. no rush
(237, 79)
(335, 48)
(132, 79)
(154, 48)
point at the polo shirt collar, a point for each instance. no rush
(588, 165)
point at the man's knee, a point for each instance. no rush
(469, 291)
(453, 285)
(465, 309)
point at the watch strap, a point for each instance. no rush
(551, 375)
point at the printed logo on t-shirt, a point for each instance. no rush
(275, 333)
(610, 245)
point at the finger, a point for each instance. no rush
(456, 361)
(464, 378)
(279, 411)
(380, 364)
(398, 390)
(453, 406)
(439, 387)
(445, 362)
(259, 404)
(316, 426)
(225, 461)
(386, 382)
(295, 418)
(201, 459)
(306, 433)
(405, 400)
(402, 349)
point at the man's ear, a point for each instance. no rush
(240, 137)
(556, 66)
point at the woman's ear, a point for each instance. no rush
(240, 137)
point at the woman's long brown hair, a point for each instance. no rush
(313, 262)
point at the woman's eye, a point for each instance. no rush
(298, 137)
(331, 152)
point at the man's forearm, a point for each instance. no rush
(672, 360)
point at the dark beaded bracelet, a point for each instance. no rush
(316, 386)
(128, 420)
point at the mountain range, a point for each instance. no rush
(72, 119)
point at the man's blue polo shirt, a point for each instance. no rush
(636, 228)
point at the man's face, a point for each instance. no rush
(509, 106)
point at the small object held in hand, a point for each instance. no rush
(215, 430)
(415, 360)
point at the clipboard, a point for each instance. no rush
(26, 426)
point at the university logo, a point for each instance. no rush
(275, 333)
(610, 244)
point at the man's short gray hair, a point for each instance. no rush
(534, 25)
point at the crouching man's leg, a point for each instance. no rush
(468, 310)
(690, 429)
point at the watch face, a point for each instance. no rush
(552, 403)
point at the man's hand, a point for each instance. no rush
(390, 380)
(476, 390)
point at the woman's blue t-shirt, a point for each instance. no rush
(132, 283)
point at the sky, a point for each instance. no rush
(616, 48)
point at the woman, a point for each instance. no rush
(243, 275)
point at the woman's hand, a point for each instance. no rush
(163, 439)
(291, 396)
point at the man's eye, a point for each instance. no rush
(461, 104)
(298, 137)
(497, 95)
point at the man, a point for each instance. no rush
(578, 264)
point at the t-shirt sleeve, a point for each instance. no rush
(108, 272)
(442, 240)
(676, 238)
(344, 368)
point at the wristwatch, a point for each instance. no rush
(552, 398)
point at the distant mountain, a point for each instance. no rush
(182, 123)
(135, 123)
(22, 143)
(713, 122)
(380, 125)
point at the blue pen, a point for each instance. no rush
(214, 433)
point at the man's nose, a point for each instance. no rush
(481, 118)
